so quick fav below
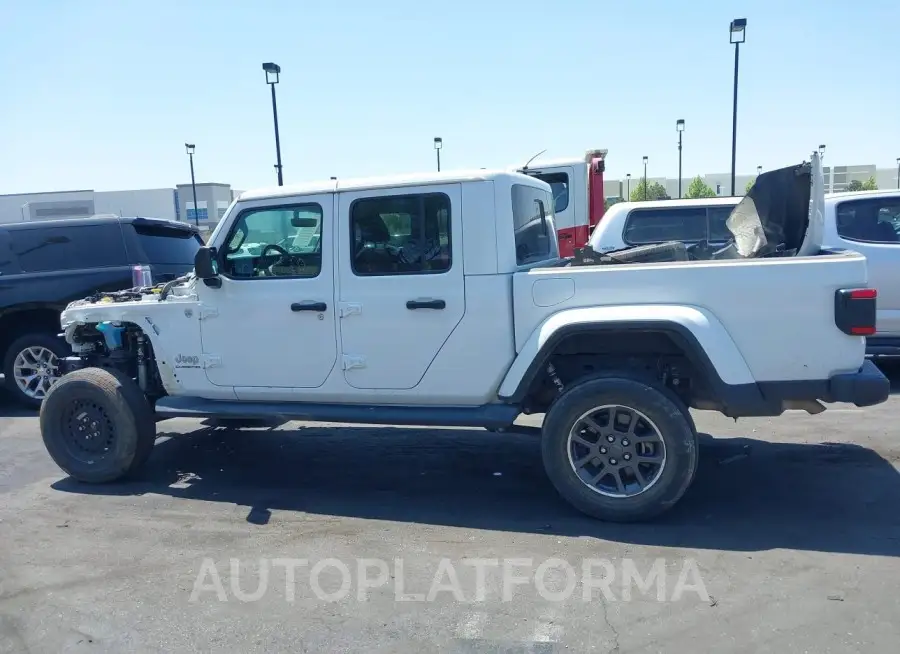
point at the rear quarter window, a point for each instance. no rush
(533, 225)
(658, 225)
(47, 249)
(160, 244)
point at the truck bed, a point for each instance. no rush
(773, 309)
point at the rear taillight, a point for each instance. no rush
(141, 277)
(854, 311)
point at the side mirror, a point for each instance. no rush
(205, 266)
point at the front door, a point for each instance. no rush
(272, 322)
(871, 226)
(402, 290)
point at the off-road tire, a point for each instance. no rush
(129, 425)
(45, 340)
(674, 425)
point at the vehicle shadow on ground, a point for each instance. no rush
(749, 495)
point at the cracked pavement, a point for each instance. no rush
(792, 526)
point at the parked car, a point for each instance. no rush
(464, 314)
(44, 265)
(865, 221)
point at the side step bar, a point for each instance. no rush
(489, 416)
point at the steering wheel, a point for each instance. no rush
(272, 246)
(284, 256)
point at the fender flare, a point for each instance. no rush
(702, 337)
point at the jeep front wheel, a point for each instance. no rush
(619, 449)
(97, 425)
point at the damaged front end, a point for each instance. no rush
(113, 330)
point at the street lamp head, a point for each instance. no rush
(737, 32)
(189, 148)
(758, 170)
(645, 160)
(821, 149)
(679, 125)
(272, 72)
(628, 175)
(438, 143)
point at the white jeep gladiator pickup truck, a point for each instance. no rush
(441, 299)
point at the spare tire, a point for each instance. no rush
(653, 253)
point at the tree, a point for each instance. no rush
(655, 191)
(868, 185)
(749, 186)
(699, 189)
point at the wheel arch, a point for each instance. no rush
(695, 332)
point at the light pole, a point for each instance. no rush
(628, 186)
(736, 35)
(758, 171)
(273, 72)
(438, 144)
(189, 148)
(645, 178)
(822, 151)
(679, 126)
(898, 172)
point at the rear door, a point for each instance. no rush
(871, 226)
(401, 282)
(167, 247)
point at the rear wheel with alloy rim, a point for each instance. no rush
(619, 449)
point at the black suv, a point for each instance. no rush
(45, 265)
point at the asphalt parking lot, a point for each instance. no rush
(789, 540)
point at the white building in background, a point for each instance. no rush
(170, 203)
(213, 199)
(837, 179)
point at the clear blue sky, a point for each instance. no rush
(103, 94)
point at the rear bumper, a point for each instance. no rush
(865, 387)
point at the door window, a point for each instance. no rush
(872, 220)
(69, 248)
(269, 242)
(401, 234)
(645, 226)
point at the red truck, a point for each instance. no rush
(578, 196)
